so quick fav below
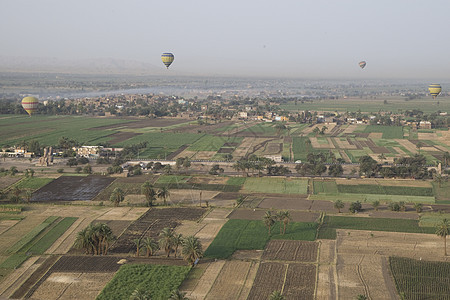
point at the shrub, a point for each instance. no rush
(60, 170)
(355, 207)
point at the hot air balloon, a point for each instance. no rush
(30, 104)
(435, 89)
(362, 64)
(167, 59)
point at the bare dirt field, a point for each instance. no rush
(72, 188)
(356, 263)
(6, 181)
(291, 251)
(192, 197)
(151, 223)
(231, 280)
(60, 285)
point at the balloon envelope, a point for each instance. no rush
(167, 59)
(435, 89)
(30, 104)
(362, 64)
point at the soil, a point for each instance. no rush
(6, 181)
(151, 223)
(291, 251)
(121, 136)
(72, 188)
(269, 278)
(300, 281)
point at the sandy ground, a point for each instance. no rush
(72, 286)
(192, 197)
(206, 281)
(357, 262)
(7, 224)
(231, 280)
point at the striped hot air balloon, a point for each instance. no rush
(362, 64)
(167, 59)
(30, 104)
(435, 89)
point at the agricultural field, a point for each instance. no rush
(327, 230)
(420, 279)
(276, 185)
(239, 234)
(33, 183)
(72, 188)
(159, 280)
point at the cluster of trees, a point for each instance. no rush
(170, 241)
(147, 189)
(95, 239)
(282, 216)
(255, 163)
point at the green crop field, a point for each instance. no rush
(236, 180)
(300, 148)
(253, 235)
(212, 143)
(51, 236)
(264, 129)
(30, 236)
(276, 185)
(49, 129)
(172, 179)
(369, 198)
(159, 280)
(394, 104)
(385, 190)
(389, 132)
(331, 223)
(433, 219)
(325, 186)
(33, 183)
(420, 279)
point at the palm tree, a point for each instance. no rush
(138, 244)
(276, 295)
(177, 295)
(117, 196)
(338, 204)
(139, 294)
(442, 230)
(418, 207)
(166, 240)
(285, 217)
(149, 192)
(269, 220)
(167, 169)
(361, 297)
(177, 241)
(419, 145)
(376, 204)
(316, 131)
(382, 157)
(446, 158)
(439, 179)
(83, 240)
(324, 128)
(192, 249)
(28, 195)
(95, 239)
(164, 193)
(150, 245)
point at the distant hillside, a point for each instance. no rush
(85, 66)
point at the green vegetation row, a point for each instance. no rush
(419, 279)
(385, 190)
(276, 185)
(34, 183)
(239, 234)
(327, 230)
(30, 236)
(51, 236)
(158, 280)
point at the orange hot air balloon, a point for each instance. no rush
(30, 104)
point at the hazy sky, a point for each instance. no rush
(299, 38)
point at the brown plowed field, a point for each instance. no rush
(151, 223)
(291, 251)
(72, 188)
(300, 282)
(269, 278)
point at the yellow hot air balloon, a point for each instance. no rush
(167, 59)
(362, 64)
(435, 89)
(30, 104)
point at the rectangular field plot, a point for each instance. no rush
(291, 251)
(276, 185)
(331, 223)
(385, 189)
(72, 188)
(151, 223)
(418, 279)
(159, 280)
(231, 280)
(297, 281)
